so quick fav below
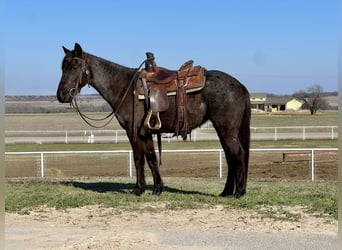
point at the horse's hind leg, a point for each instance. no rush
(152, 162)
(235, 156)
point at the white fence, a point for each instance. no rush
(295, 132)
(91, 136)
(220, 152)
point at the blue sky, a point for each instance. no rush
(277, 47)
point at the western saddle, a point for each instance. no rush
(155, 84)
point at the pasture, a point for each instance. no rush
(262, 164)
(71, 121)
(194, 176)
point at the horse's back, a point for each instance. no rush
(223, 84)
(224, 93)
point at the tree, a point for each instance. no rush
(312, 98)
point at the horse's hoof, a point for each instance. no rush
(239, 194)
(137, 191)
(157, 192)
(225, 194)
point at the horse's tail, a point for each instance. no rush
(244, 133)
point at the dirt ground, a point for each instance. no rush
(96, 227)
(262, 165)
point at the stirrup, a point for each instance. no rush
(147, 122)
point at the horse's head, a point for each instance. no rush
(74, 74)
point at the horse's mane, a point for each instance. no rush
(110, 65)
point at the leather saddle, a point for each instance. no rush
(166, 79)
(155, 84)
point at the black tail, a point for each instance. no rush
(245, 134)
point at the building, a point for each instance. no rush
(270, 103)
(294, 104)
(258, 101)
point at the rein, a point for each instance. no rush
(87, 118)
(73, 92)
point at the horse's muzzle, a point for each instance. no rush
(64, 97)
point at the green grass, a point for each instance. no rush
(268, 197)
(325, 118)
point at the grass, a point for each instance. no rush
(283, 119)
(269, 198)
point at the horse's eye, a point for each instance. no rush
(75, 66)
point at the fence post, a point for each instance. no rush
(312, 165)
(275, 133)
(41, 164)
(66, 136)
(303, 133)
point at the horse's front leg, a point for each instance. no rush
(139, 161)
(152, 162)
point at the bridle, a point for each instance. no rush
(73, 92)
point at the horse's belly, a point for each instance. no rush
(196, 112)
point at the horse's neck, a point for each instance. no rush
(109, 79)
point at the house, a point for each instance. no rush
(294, 104)
(258, 101)
(271, 103)
(274, 104)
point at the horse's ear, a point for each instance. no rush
(66, 51)
(78, 50)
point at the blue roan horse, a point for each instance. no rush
(223, 100)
